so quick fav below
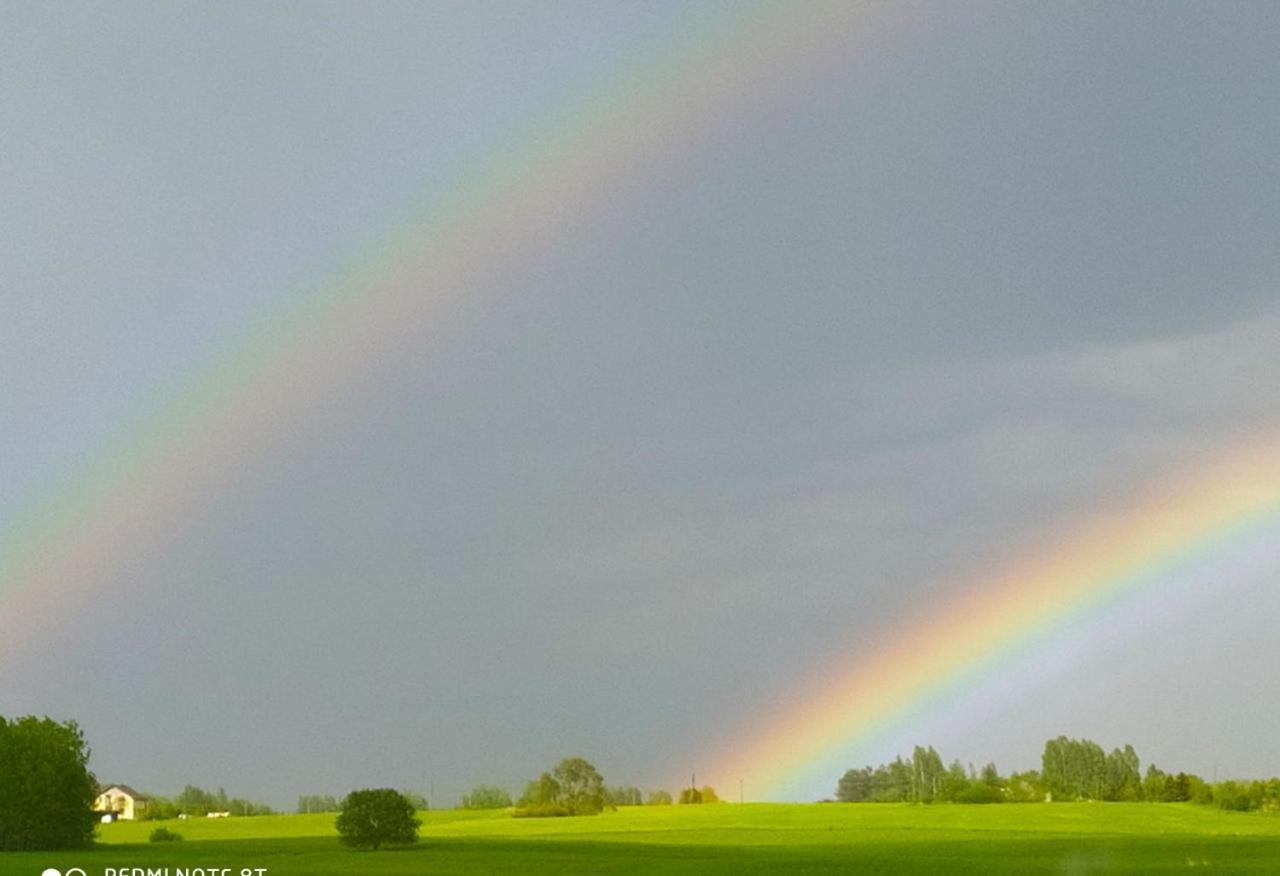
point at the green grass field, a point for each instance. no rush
(756, 838)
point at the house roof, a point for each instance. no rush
(137, 795)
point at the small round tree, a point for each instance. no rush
(377, 817)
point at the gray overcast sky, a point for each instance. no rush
(920, 313)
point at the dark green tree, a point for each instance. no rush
(1177, 789)
(46, 789)
(1122, 775)
(955, 782)
(855, 786)
(377, 817)
(899, 782)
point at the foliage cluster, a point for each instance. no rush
(376, 817)
(705, 794)
(922, 779)
(623, 795)
(46, 789)
(574, 787)
(164, 835)
(486, 797)
(199, 802)
(1256, 795)
(1071, 770)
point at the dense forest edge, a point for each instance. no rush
(1070, 770)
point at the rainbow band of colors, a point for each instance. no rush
(465, 241)
(982, 630)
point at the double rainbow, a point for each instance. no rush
(532, 191)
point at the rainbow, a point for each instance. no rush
(1182, 533)
(665, 117)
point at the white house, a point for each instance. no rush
(120, 801)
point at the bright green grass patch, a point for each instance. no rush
(271, 826)
(724, 839)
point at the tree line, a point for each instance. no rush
(1070, 769)
(198, 802)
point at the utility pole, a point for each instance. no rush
(741, 799)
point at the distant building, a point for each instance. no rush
(119, 801)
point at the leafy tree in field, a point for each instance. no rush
(1026, 787)
(1153, 784)
(46, 789)
(1074, 769)
(855, 786)
(659, 798)
(574, 787)
(1177, 789)
(377, 817)
(926, 775)
(1122, 776)
(985, 787)
(581, 786)
(899, 789)
(709, 794)
(486, 797)
(690, 795)
(954, 782)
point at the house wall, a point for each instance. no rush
(113, 800)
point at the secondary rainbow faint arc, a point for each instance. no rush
(529, 192)
(975, 634)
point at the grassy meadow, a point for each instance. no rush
(755, 838)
